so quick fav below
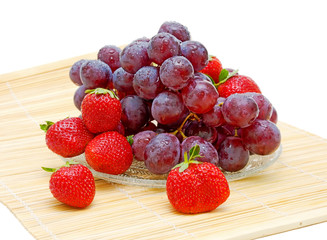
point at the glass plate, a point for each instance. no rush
(138, 175)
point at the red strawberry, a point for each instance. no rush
(67, 137)
(72, 184)
(213, 68)
(195, 187)
(109, 152)
(101, 110)
(237, 84)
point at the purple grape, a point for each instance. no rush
(175, 72)
(265, 107)
(196, 53)
(221, 136)
(178, 30)
(134, 56)
(79, 96)
(207, 150)
(146, 82)
(274, 116)
(198, 76)
(240, 110)
(123, 81)
(167, 107)
(163, 46)
(214, 118)
(142, 39)
(96, 74)
(233, 156)
(198, 128)
(109, 54)
(140, 140)
(199, 96)
(162, 153)
(74, 72)
(134, 112)
(262, 137)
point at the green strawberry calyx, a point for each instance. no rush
(101, 91)
(46, 126)
(67, 164)
(189, 158)
(130, 139)
(225, 75)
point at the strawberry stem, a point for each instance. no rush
(193, 153)
(102, 91)
(67, 164)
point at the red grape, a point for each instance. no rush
(74, 72)
(178, 30)
(140, 140)
(163, 46)
(175, 72)
(233, 156)
(95, 74)
(262, 137)
(162, 153)
(110, 55)
(196, 53)
(123, 81)
(240, 110)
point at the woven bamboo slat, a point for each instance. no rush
(289, 194)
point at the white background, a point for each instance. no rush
(280, 44)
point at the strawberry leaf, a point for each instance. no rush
(223, 75)
(46, 126)
(130, 139)
(193, 153)
(183, 167)
(49, 169)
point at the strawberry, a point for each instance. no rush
(101, 110)
(109, 152)
(72, 184)
(231, 83)
(67, 137)
(213, 68)
(195, 187)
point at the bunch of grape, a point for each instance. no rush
(169, 106)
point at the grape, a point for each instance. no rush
(142, 39)
(79, 96)
(207, 150)
(240, 110)
(233, 156)
(262, 137)
(221, 136)
(167, 107)
(96, 74)
(178, 30)
(274, 116)
(175, 72)
(229, 130)
(214, 118)
(74, 72)
(230, 70)
(134, 56)
(123, 81)
(196, 53)
(265, 107)
(146, 82)
(134, 112)
(110, 55)
(162, 153)
(198, 128)
(201, 77)
(163, 46)
(120, 128)
(140, 140)
(199, 96)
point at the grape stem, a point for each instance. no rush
(179, 129)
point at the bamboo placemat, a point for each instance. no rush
(290, 194)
